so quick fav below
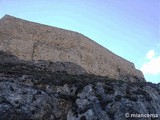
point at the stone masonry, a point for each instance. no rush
(34, 41)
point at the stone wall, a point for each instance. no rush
(33, 41)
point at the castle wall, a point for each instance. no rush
(33, 41)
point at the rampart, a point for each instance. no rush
(34, 41)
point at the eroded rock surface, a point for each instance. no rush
(30, 90)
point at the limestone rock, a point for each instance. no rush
(29, 91)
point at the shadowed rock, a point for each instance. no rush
(30, 90)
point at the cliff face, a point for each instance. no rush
(47, 73)
(45, 90)
(33, 41)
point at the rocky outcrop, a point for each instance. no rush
(31, 90)
(33, 41)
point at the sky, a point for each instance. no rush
(129, 28)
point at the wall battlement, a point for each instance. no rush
(34, 41)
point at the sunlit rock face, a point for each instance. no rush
(33, 41)
(46, 90)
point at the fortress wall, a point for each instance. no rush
(32, 41)
(109, 57)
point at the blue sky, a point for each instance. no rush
(129, 28)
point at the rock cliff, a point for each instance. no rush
(47, 73)
(33, 41)
(46, 90)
